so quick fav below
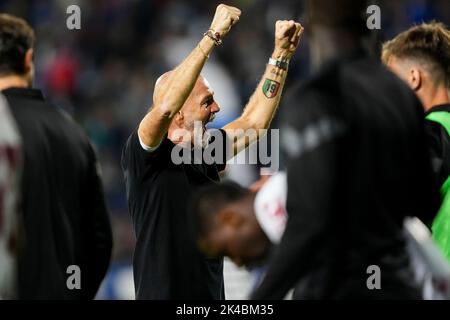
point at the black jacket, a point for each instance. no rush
(65, 219)
(357, 165)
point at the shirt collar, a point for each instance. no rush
(440, 107)
(24, 92)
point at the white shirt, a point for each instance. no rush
(270, 207)
(10, 152)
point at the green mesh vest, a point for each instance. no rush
(441, 225)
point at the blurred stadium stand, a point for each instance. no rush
(104, 73)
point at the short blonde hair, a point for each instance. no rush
(428, 43)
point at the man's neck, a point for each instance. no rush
(13, 81)
(437, 96)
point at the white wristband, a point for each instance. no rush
(284, 65)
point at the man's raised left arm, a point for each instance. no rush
(262, 105)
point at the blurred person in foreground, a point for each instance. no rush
(65, 219)
(357, 165)
(239, 223)
(167, 264)
(421, 57)
(246, 225)
(10, 169)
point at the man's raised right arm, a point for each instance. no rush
(173, 89)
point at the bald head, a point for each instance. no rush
(201, 84)
(199, 105)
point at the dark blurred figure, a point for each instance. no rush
(421, 57)
(357, 166)
(10, 168)
(65, 219)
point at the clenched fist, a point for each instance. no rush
(224, 19)
(287, 38)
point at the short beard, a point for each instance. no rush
(199, 136)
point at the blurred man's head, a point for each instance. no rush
(335, 26)
(200, 106)
(421, 57)
(226, 224)
(16, 52)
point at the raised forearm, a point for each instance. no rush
(172, 94)
(259, 111)
(261, 107)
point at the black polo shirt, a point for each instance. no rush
(167, 263)
(439, 142)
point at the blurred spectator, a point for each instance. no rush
(421, 57)
(66, 224)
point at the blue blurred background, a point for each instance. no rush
(104, 74)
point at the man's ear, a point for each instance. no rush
(179, 119)
(28, 61)
(415, 78)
